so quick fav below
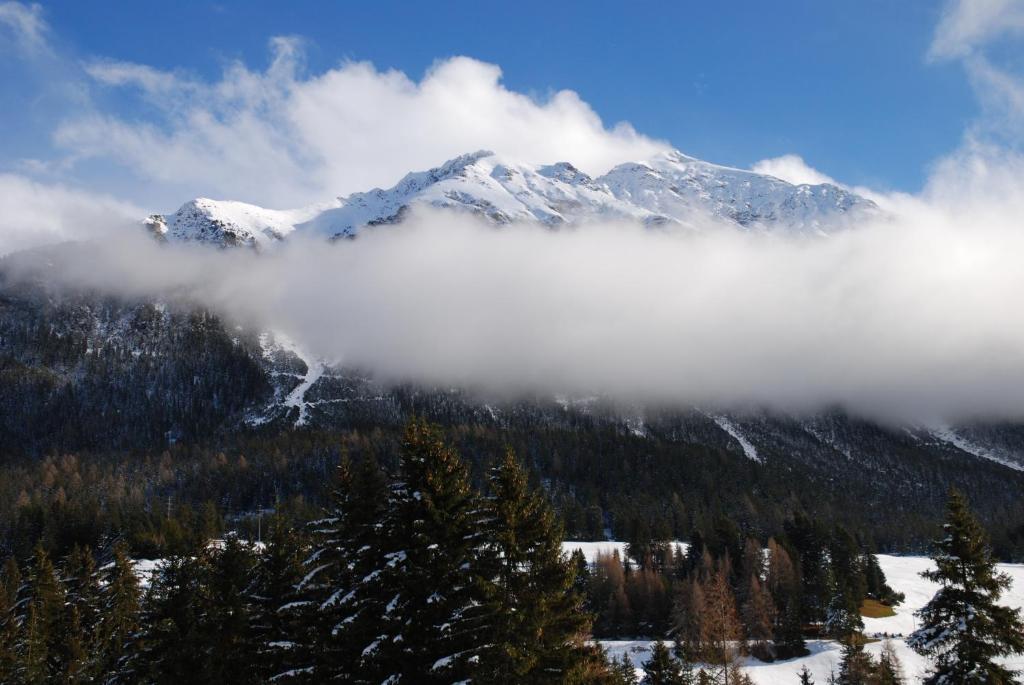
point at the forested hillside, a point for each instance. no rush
(118, 415)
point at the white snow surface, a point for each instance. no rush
(950, 435)
(902, 573)
(734, 432)
(670, 189)
(592, 549)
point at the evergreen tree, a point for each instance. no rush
(622, 671)
(43, 652)
(784, 584)
(688, 614)
(429, 583)
(759, 617)
(171, 647)
(10, 589)
(537, 624)
(280, 634)
(224, 618)
(805, 676)
(663, 669)
(855, 666)
(843, 617)
(83, 606)
(342, 610)
(118, 622)
(963, 628)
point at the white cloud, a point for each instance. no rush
(281, 137)
(793, 169)
(911, 318)
(23, 27)
(36, 214)
(967, 24)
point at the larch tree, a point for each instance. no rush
(722, 631)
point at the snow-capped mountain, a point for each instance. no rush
(670, 189)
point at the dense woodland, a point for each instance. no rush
(418, 576)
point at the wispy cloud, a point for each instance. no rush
(23, 27)
(284, 137)
(968, 24)
(792, 168)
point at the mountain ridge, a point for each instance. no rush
(670, 189)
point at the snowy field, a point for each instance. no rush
(903, 574)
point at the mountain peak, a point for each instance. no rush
(669, 188)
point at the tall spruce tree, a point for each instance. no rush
(429, 582)
(963, 628)
(10, 590)
(118, 624)
(537, 624)
(43, 654)
(805, 676)
(82, 583)
(281, 637)
(622, 671)
(855, 666)
(224, 619)
(171, 647)
(663, 669)
(336, 600)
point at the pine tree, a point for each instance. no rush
(10, 589)
(622, 671)
(843, 618)
(963, 628)
(805, 676)
(855, 666)
(429, 583)
(341, 611)
(784, 584)
(171, 647)
(537, 625)
(118, 624)
(663, 669)
(688, 619)
(282, 637)
(83, 607)
(225, 619)
(42, 653)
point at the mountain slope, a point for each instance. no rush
(670, 189)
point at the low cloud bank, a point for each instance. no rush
(915, 317)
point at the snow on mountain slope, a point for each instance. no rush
(226, 223)
(668, 189)
(964, 443)
(685, 189)
(733, 430)
(485, 184)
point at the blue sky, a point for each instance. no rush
(847, 86)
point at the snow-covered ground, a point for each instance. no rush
(903, 574)
(592, 549)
